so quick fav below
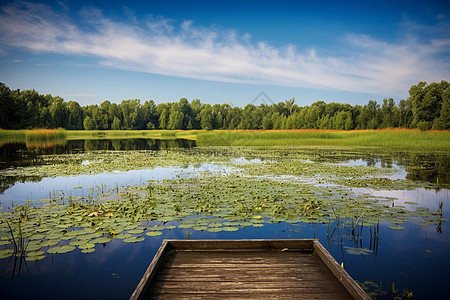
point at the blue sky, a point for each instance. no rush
(224, 51)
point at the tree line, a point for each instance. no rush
(427, 107)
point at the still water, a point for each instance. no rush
(414, 259)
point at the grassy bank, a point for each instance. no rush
(389, 139)
(131, 134)
(118, 134)
(33, 137)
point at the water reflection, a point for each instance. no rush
(25, 154)
(430, 167)
(136, 144)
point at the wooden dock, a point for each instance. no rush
(250, 269)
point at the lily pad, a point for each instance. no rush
(86, 246)
(136, 231)
(34, 258)
(214, 229)
(89, 250)
(49, 243)
(100, 240)
(6, 253)
(230, 228)
(35, 253)
(2, 243)
(184, 226)
(66, 249)
(61, 249)
(33, 247)
(358, 251)
(135, 239)
(154, 233)
(396, 227)
(123, 236)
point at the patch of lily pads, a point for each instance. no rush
(284, 185)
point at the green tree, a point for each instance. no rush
(267, 122)
(114, 112)
(100, 119)
(148, 115)
(426, 101)
(196, 107)
(163, 119)
(312, 117)
(59, 112)
(129, 109)
(348, 125)
(389, 114)
(116, 124)
(7, 119)
(89, 123)
(75, 116)
(443, 122)
(405, 113)
(46, 118)
(373, 110)
(176, 118)
(205, 117)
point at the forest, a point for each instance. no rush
(427, 107)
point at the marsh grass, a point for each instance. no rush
(127, 134)
(389, 139)
(34, 138)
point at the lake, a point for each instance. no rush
(83, 219)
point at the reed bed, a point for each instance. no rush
(389, 139)
(124, 134)
(32, 136)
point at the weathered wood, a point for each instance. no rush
(250, 269)
(150, 272)
(241, 244)
(248, 296)
(347, 281)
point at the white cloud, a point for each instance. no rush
(157, 46)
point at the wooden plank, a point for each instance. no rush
(246, 296)
(263, 284)
(187, 271)
(305, 280)
(187, 286)
(292, 244)
(249, 290)
(150, 272)
(231, 257)
(347, 281)
(238, 269)
(206, 272)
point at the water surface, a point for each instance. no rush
(414, 258)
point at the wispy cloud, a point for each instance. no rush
(161, 46)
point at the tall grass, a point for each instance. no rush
(33, 137)
(389, 139)
(123, 134)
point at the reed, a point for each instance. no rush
(31, 136)
(389, 139)
(122, 134)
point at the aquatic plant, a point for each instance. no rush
(392, 139)
(283, 185)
